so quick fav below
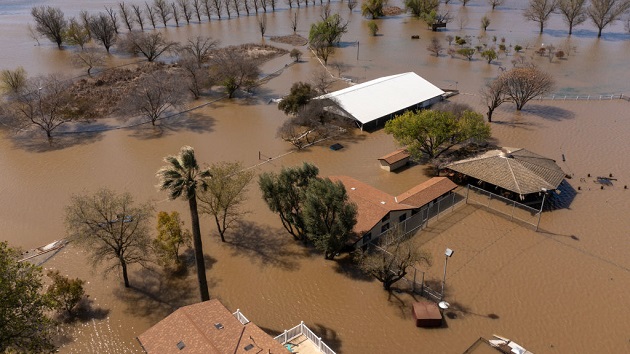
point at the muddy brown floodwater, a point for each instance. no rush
(561, 290)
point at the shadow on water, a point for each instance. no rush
(155, 295)
(549, 112)
(589, 33)
(456, 309)
(345, 265)
(188, 122)
(266, 245)
(328, 335)
(39, 143)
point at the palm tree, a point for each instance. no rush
(181, 177)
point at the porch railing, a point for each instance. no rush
(302, 329)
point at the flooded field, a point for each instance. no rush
(560, 290)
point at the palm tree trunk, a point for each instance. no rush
(201, 266)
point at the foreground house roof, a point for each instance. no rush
(207, 327)
(427, 191)
(380, 97)
(514, 169)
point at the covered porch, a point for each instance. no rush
(300, 339)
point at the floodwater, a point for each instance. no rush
(556, 291)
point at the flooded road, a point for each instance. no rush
(549, 291)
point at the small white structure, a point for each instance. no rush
(381, 99)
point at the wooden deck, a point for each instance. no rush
(301, 345)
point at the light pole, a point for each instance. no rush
(448, 253)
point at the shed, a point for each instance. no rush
(427, 314)
(378, 100)
(394, 160)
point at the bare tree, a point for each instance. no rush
(225, 195)
(137, 10)
(113, 17)
(88, 58)
(111, 228)
(199, 48)
(150, 45)
(262, 24)
(236, 4)
(464, 2)
(228, 8)
(77, 34)
(351, 4)
(235, 71)
(151, 14)
(604, 12)
(50, 22)
(321, 80)
(46, 103)
(154, 95)
(493, 95)
(103, 30)
(126, 14)
(495, 3)
(539, 11)
(435, 47)
(391, 261)
(294, 22)
(340, 67)
(573, 11)
(485, 22)
(246, 5)
(207, 8)
(218, 7)
(186, 9)
(523, 84)
(164, 10)
(85, 20)
(290, 3)
(176, 14)
(198, 76)
(198, 7)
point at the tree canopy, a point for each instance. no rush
(50, 22)
(24, 327)
(430, 133)
(301, 93)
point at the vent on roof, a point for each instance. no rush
(353, 188)
(382, 202)
(181, 345)
(249, 347)
(218, 325)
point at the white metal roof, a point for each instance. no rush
(379, 97)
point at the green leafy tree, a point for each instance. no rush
(24, 326)
(77, 34)
(170, 238)
(225, 195)
(485, 22)
(420, 7)
(328, 31)
(284, 192)
(50, 22)
(110, 228)
(329, 216)
(373, 28)
(183, 178)
(430, 133)
(300, 95)
(373, 8)
(64, 293)
(390, 261)
(489, 55)
(468, 53)
(13, 81)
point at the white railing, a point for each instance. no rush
(302, 329)
(582, 97)
(240, 317)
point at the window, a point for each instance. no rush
(402, 217)
(367, 238)
(385, 227)
(414, 212)
(385, 218)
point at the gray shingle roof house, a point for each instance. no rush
(514, 169)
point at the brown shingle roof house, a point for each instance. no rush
(207, 328)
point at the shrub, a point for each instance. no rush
(373, 27)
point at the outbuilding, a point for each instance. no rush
(394, 160)
(374, 102)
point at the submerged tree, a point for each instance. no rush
(283, 194)
(300, 95)
(183, 178)
(604, 12)
(373, 8)
(103, 30)
(573, 11)
(329, 216)
(64, 293)
(13, 81)
(390, 261)
(420, 7)
(154, 95)
(111, 228)
(50, 22)
(493, 95)
(430, 133)
(200, 48)
(170, 238)
(24, 326)
(524, 84)
(235, 71)
(539, 11)
(225, 195)
(150, 45)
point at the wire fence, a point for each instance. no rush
(507, 207)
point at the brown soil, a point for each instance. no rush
(294, 39)
(392, 10)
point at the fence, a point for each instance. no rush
(584, 97)
(505, 206)
(302, 329)
(240, 317)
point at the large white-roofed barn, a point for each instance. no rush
(374, 102)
